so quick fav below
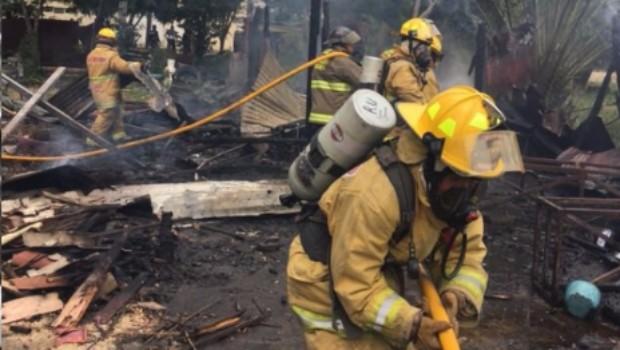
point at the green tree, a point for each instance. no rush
(28, 51)
(207, 20)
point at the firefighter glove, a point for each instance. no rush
(425, 330)
(451, 300)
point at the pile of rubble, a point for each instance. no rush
(87, 256)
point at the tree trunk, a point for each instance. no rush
(26, 17)
(149, 21)
(37, 17)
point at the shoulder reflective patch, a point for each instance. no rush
(448, 126)
(479, 121)
(433, 110)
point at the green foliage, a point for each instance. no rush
(569, 39)
(207, 20)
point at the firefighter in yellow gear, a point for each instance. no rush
(409, 75)
(104, 65)
(334, 80)
(449, 150)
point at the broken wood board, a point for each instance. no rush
(58, 262)
(6, 286)
(29, 258)
(39, 282)
(11, 236)
(196, 200)
(56, 239)
(31, 208)
(81, 299)
(27, 307)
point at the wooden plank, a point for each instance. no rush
(56, 239)
(39, 282)
(23, 112)
(79, 302)
(28, 258)
(609, 276)
(57, 263)
(27, 307)
(6, 286)
(198, 200)
(11, 236)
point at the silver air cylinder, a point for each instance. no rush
(356, 128)
(372, 67)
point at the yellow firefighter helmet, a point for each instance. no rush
(107, 33)
(463, 118)
(418, 29)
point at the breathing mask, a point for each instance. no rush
(420, 51)
(453, 197)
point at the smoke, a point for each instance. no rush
(611, 9)
(458, 38)
(452, 70)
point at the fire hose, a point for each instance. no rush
(183, 129)
(447, 338)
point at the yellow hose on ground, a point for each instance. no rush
(206, 120)
(447, 338)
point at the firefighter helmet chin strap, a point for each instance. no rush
(420, 52)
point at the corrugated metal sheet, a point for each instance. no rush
(278, 106)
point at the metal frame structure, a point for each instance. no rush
(562, 220)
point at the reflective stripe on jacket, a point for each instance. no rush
(104, 64)
(332, 83)
(362, 212)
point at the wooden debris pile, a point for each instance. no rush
(74, 258)
(87, 256)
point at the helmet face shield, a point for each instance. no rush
(494, 115)
(493, 153)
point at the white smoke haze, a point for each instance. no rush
(452, 70)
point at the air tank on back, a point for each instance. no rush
(372, 70)
(356, 128)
